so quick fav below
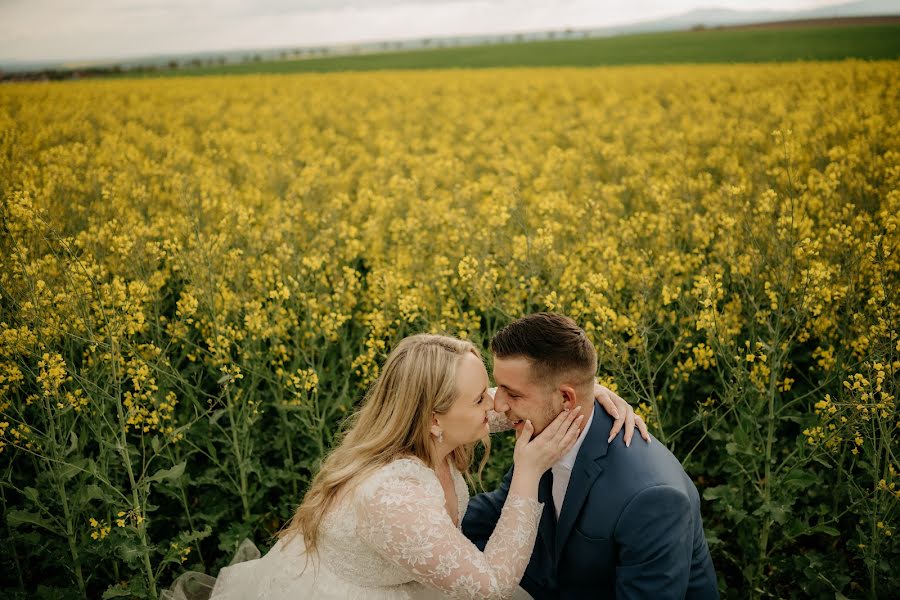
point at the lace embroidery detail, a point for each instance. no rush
(390, 539)
(498, 422)
(400, 513)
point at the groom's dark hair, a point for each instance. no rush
(554, 345)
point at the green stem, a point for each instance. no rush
(12, 545)
(873, 552)
(873, 517)
(184, 503)
(767, 469)
(64, 500)
(137, 504)
(660, 432)
(287, 443)
(142, 529)
(320, 422)
(238, 455)
(70, 534)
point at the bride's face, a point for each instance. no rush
(467, 420)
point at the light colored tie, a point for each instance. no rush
(560, 482)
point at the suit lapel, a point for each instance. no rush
(584, 472)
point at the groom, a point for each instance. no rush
(617, 523)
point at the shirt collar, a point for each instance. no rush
(568, 461)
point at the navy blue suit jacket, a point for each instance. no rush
(629, 527)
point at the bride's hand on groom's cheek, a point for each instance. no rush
(623, 414)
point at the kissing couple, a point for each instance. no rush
(580, 515)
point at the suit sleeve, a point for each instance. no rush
(653, 535)
(483, 513)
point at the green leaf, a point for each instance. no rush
(67, 471)
(74, 443)
(114, 591)
(716, 493)
(211, 449)
(216, 416)
(16, 518)
(90, 492)
(780, 514)
(130, 552)
(731, 448)
(32, 494)
(173, 473)
(715, 435)
(797, 527)
(799, 480)
(775, 511)
(826, 530)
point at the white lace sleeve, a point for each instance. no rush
(497, 420)
(404, 519)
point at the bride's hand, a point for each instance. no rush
(539, 454)
(623, 414)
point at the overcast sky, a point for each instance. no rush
(85, 29)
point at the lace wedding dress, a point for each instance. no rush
(391, 538)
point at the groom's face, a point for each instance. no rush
(519, 396)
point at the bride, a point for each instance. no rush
(382, 517)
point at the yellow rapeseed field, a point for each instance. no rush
(199, 276)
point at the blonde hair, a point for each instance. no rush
(418, 380)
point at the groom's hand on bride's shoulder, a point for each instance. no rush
(623, 414)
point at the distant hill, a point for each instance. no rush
(718, 17)
(739, 44)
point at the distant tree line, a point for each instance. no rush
(60, 74)
(292, 54)
(172, 65)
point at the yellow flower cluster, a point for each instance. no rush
(645, 411)
(129, 516)
(183, 258)
(701, 357)
(867, 404)
(99, 529)
(291, 229)
(301, 384)
(182, 552)
(891, 487)
(17, 435)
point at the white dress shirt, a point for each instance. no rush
(562, 470)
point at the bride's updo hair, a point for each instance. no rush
(417, 380)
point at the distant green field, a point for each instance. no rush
(707, 46)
